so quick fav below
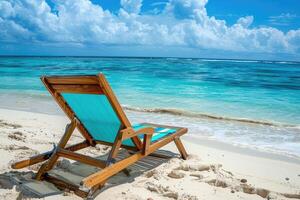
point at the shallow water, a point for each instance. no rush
(252, 103)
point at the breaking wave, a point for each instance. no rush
(190, 114)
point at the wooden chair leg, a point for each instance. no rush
(114, 151)
(46, 166)
(54, 157)
(113, 154)
(181, 148)
(95, 190)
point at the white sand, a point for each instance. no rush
(213, 171)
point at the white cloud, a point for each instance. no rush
(283, 19)
(293, 38)
(158, 3)
(183, 23)
(245, 21)
(194, 9)
(6, 10)
(131, 6)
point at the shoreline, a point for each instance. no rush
(49, 107)
(37, 132)
(210, 143)
(200, 141)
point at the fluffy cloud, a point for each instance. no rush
(193, 9)
(183, 23)
(245, 21)
(131, 6)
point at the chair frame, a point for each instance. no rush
(96, 84)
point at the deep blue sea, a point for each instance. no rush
(245, 102)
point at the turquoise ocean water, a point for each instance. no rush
(252, 103)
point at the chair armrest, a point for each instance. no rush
(147, 132)
(129, 132)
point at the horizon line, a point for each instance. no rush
(151, 57)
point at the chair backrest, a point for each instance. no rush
(91, 100)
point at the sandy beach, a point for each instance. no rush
(213, 170)
(203, 96)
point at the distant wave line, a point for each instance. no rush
(207, 116)
(250, 61)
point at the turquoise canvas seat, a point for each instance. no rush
(97, 115)
(159, 132)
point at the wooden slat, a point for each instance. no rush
(79, 89)
(62, 185)
(72, 79)
(81, 158)
(31, 161)
(44, 156)
(159, 155)
(78, 146)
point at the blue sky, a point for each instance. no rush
(285, 13)
(281, 14)
(246, 29)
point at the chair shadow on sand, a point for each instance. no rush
(73, 173)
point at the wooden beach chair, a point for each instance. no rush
(94, 110)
